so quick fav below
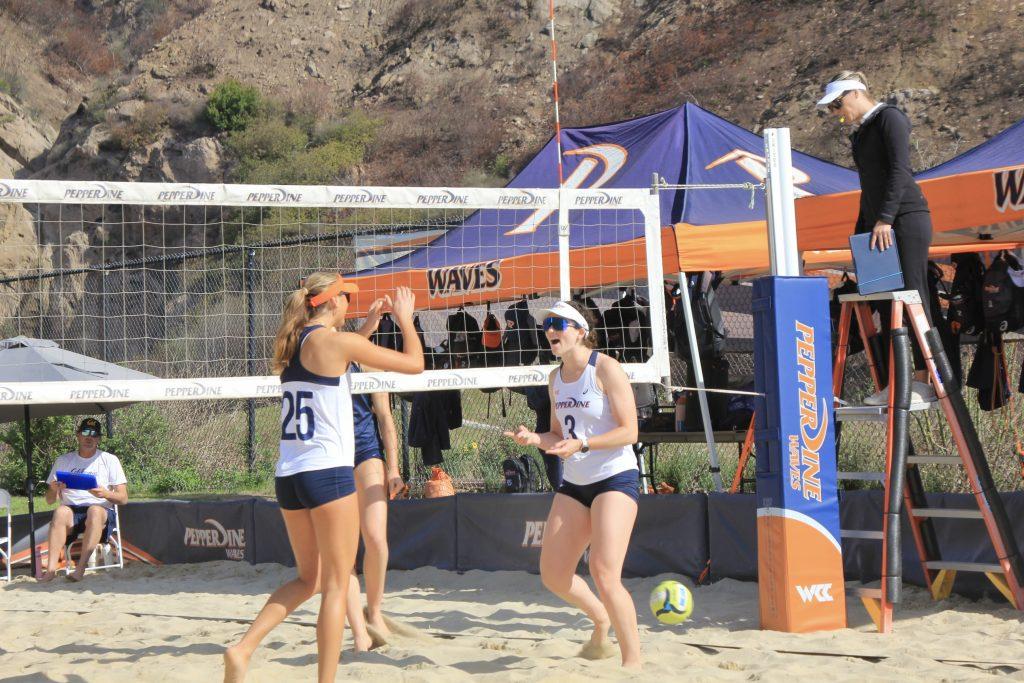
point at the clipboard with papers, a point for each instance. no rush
(877, 271)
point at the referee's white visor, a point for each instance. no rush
(835, 89)
(564, 310)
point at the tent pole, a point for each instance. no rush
(698, 373)
(30, 487)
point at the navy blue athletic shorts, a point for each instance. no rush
(307, 490)
(78, 513)
(369, 454)
(627, 482)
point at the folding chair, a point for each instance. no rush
(5, 540)
(113, 540)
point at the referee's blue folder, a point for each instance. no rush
(877, 271)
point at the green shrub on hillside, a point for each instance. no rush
(142, 130)
(270, 150)
(232, 105)
(51, 436)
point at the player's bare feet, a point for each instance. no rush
(377, 621)
(77, 575)
(599, 646)
(46, 577)
(363, 642)
(236, 663)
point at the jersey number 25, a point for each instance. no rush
(294, 410)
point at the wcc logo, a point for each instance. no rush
(607, 157)
(1009, 186)
(818, 592)
(756, 166)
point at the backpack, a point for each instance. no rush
(950, 341)
(387, 333)
(465, 340)
(519, 342)
(627, 326)
(966, 313)
(708, 323)
(716, 376)
(520, 474)
(740, 409)
(599, 326)
(1001, 298)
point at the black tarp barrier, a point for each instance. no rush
(421, 533)
(191, 531)
(670, 533)
(732, 535)
(505, 535)
(673, 534)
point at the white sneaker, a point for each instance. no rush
(920, 392)
(879, 398)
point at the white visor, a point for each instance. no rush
(564, 310)
(837, 88)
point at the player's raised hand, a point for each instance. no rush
(404, 303)
(373, 315)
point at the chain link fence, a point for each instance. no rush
(195, 312)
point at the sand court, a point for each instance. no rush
(171, 623)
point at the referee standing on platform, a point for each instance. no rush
(892, 206)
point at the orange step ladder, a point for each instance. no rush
(901, 480)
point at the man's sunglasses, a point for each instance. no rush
(559, 324)
(89, 432)
(837, 103)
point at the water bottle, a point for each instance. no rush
(680, 412)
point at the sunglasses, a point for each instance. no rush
(89, 432)
(837, 103)
(559, 324)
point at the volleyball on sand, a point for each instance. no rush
(671, 602)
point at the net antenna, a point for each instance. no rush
(187, 282)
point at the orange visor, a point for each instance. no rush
(339, 286)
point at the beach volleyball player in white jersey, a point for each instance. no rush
(314, 478)
(593, 427)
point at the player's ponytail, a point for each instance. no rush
(296, 315)
(591, 340)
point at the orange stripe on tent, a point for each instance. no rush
(526, 274)
(825, 223)
(842, 256)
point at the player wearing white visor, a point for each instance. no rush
(593, 426)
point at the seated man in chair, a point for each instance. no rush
(87, 513)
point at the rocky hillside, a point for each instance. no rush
(461, 87)
(458, 91)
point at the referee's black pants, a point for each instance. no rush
(913, 235)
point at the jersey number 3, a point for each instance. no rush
(294, 410)
(570, 422)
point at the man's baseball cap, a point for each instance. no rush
(90, 426)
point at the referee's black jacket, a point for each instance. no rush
(881, 151)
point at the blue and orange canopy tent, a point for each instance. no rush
(977, 203)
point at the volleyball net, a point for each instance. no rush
(186, 282)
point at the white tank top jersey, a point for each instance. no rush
(584, 410)
(316, 418)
